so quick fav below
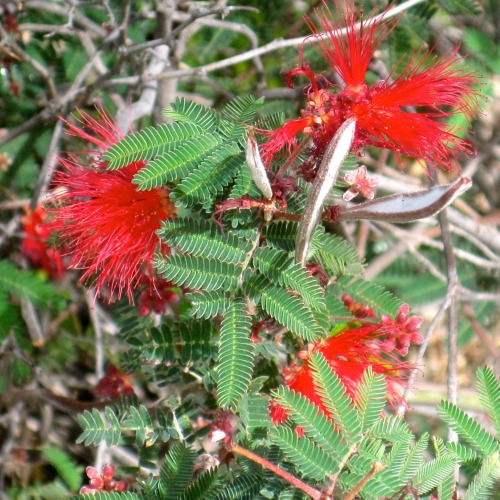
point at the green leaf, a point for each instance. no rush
(197, 272)
(176, 163)
(239, 111)
(314, 422)
(202, 486)
(236, 355)
(111, 495)
(369, 294)
(204, 239)
(254, 412)
(148, 143)
(281, 234)
(371, 398)
(434, 473)
(335, 255)
(209, 304)
(392, 429)
(280, 268)
(290, 311)
(213, 174)
(468, 429)
(482, 486)
(184, 111)
(97, 429)
(488, 388)
(176, 470)
(26, 285)
(69, 471)
(311, 460)
(244, 487)
(334, 396)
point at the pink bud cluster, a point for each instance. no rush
(402, 331)
(102, 482)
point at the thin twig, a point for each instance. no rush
(453, 284)
(308, 490)
(421, 353)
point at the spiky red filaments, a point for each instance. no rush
(435, 86)
(108, 226)
(351, 352)
(35, 247)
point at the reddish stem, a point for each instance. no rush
(308, 490)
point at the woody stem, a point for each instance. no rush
(308, 490)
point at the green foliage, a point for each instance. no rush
(25, 285)
(346, 445)
(66, 467)
(236, 355)
(370, 294)
(113, 425)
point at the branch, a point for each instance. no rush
(308, 490)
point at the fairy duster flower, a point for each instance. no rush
(35, 246)
(402, 113)
(109, 228)
(352, 350)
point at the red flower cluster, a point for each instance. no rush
(435, 86)
(35, 247)
(102, 482)
(155, 296)
(108, 226)
(351, 351)
(114, 384)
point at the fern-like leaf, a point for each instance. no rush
(434, 473)
(184, 111)
(66, 467)
(26, 285)
(176, 470)
(335, 255)
(238, 111)
(209, 304)
(97, 428)
(488, 388)
(468, 429)
(111, 495)
(311, 460)
(244, 487)
(213, 174)
(176, 163)
(198, 490)
(335, 398)
(314, 422)
(290, 311)
(197, 272)
(254, 412)
(281, 234)
(370, 294)
(370, 399)
(463, 453)
(236, 355)
(280, 268)
(391, 429)
(481, 487)
(195, 341)
(148, 143)
(204, 239)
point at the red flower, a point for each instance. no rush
(350, 352)
(108, 226)
(34, 246)
(102, 482)
(436, 86)
(114, 384)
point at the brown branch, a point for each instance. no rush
(308, 490)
